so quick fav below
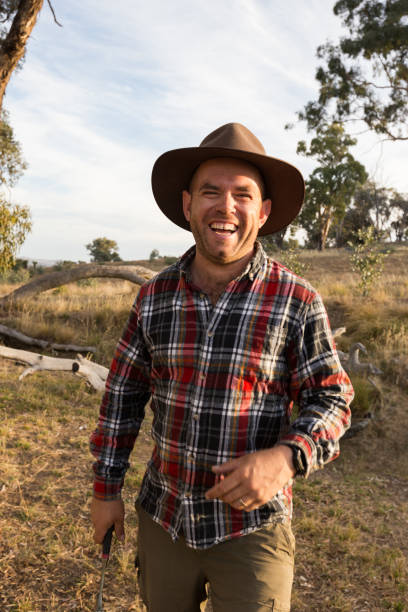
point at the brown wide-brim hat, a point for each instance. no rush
(173, 171)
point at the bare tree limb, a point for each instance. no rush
(94, 373)
(135, 274)
(358, 427)
(53, 13)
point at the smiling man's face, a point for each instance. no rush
(225, 209)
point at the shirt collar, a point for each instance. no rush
(252, 269)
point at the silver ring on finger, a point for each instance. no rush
(243, 502)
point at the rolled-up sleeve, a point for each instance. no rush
(122, 409)
(320, 387)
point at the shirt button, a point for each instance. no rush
(202, 376)
(202, 296)
(187, 494)
(195, 417)
(210, 333)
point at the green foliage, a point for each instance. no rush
(291, 259)
(12, 164)
(370, 206)
(399, 204)
(15, 223)
(366, 397)
(169, 259)
(103, 250)
(367, 260)
(365, 75)
(15, 220)
(331, 186)
(63, 265)
(21, 275)
(275, 242)
(154, 255)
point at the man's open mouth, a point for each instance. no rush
(223, 228)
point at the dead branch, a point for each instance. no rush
(53, 13)
(339, 331)
(8, 332)
(135, 274)
(94, 373)
(359, 426)
(352, 364)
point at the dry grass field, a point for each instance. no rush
(350, 520)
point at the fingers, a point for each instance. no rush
(225, 468)
(120, 530)
(225, 487)
(231, 490)
(104, 514)
(240, 487)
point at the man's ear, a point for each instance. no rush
(186, 204)
(265, 211)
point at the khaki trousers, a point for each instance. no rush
(252, 573)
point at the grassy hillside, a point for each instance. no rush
(350, 520)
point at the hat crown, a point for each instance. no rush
(234, 136)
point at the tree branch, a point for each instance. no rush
(94, 373)
(53, 14)
(135, 274)
(13, 46)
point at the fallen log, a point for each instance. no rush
(94, 373)
(8, 332)
(135, 274)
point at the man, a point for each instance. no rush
(223, 342)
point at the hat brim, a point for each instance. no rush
(173, 170)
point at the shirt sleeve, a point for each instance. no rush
(122, 410)
(321, 388)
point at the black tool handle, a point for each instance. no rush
(106, 544)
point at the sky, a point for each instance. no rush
(101, 98)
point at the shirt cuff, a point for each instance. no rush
(106, 491)
(303, 452)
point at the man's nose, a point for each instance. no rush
(226, 203)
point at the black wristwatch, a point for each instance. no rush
(299, 462)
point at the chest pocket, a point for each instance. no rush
(263, 357)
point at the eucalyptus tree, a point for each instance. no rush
(331, 186)
(103, 250)
(365, 75)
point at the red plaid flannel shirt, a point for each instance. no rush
(222, 381)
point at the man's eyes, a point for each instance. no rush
(209, 192)
(239, 195)
(245, 196)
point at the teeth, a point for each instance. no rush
(224, 226)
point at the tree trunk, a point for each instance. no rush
(339, 234)
(12, 49)
(324, 230)
(134, 274)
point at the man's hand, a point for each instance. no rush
(251, 480)
(104, 514)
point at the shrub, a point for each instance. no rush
(367, 259)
